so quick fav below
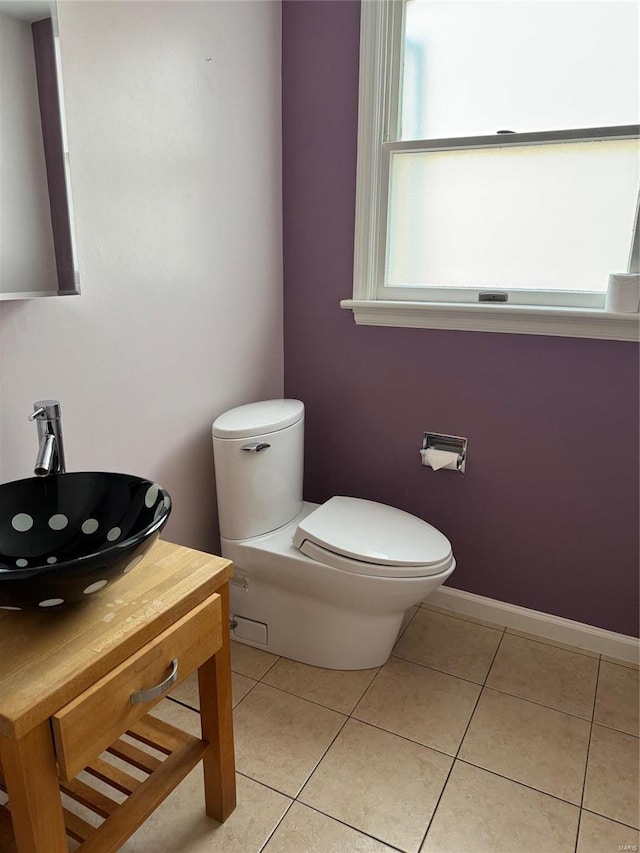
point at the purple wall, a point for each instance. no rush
(547, 514)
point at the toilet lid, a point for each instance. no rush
(373, 533)
(258, 418)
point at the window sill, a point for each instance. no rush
(512, 319)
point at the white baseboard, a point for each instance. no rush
(544, 625)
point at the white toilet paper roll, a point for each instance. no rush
(623, 293)
(438, 459)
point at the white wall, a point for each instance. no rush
(27, 258)
(174, 121)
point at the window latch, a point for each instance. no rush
(493, 296)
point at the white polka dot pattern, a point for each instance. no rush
(94, 587)
(150, 497)
(132, 564)
(22, 522)
(92, 537)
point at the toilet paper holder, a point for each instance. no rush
(449, 443)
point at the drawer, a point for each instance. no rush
(96, 718)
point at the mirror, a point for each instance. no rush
(37, 244)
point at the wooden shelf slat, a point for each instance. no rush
(113, 776)
(77, 828)
(136, 809)
(122, 819)
(89, 797)
(160, 735)
(134, 756)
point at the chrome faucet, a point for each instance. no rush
(48, 417)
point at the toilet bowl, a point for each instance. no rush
(329, 584)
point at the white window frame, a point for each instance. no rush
(381, 32)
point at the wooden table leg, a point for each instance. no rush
(214, 681)
(34, 796)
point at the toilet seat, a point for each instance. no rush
(370, 538)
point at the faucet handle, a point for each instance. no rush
(50, 409)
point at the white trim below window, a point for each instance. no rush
(510, 319)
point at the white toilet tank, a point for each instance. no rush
(258, 452)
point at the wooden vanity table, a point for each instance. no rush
(75, 689)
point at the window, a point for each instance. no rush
(498, 162)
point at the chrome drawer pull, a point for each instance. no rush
(159, 689)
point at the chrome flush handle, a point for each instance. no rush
(255, 448)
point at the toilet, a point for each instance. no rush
(325, 584)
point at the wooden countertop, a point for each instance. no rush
(48, 658)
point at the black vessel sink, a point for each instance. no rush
(66, 536)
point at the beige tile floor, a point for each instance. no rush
(471, 739)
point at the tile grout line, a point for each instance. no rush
(586, 763)
(538, 704)
(349, 826)
(268, 669)
(294, 799)
(351, 717)
(537, 638)
(521, 784)
(404, 737)
(555, 644)
(365, 691)
(505, 632)
(278, 824)
(483, 623)
(448, 755)
(313, 808)
(435, 669)
(507, 778)
(613, 820)
(417, 743)
(266, 785)
(319, 761)
(348, 717)
(483, 685)
(298, 696)
(455, 757)
(613, 729)
(498, 690)
(183, 704)
(406, 627)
